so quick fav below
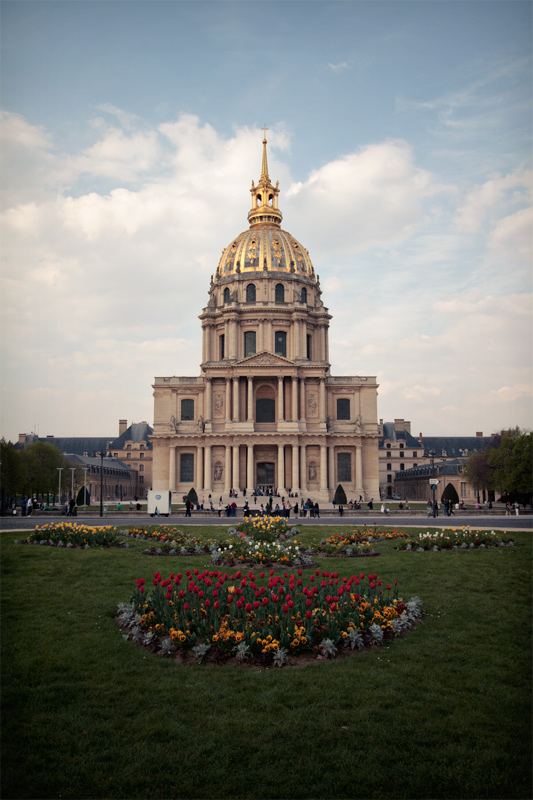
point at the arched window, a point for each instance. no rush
(304, 295)
(280, 293)
(280, 342)
(226, 295)
(250, 293)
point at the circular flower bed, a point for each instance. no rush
(70, 534)
(215, 616)
(249, 552)
(174, 542)
(265, 529)
(453, 539)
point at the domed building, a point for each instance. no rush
(266, 413)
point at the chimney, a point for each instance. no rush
(22, 438)
(122, 426)
(479, 433)
(420, 439)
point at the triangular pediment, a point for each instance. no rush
(265, 359)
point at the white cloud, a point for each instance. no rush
(102, 288)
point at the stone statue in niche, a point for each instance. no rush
(312, 471)
(358, 421)
(329, 423)
(218, 471)
(173, 424)
(201, 424)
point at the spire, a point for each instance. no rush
(264, 165)
(265, 209)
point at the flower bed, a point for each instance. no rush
(70, 534)
(454, 539)
(174, 542)
(248, 552)
(265, 529)
(217, 616)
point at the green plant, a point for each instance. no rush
(340, 495)
(193, 497)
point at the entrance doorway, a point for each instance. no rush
(265, 476)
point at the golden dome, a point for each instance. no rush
(265, 246)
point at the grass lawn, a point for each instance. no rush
(442, 712)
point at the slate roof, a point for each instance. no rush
(77, 445)
(94, 461)
(455, 446)
(137, 432)
(390, 434)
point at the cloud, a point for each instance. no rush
(102, 288)
(340, 67)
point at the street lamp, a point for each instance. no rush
(59, 492)
(72, 471)
(101, 481)
(85, 487)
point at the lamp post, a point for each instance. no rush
(101, 481)
(85, 487)
(72, 471)
(59, 491)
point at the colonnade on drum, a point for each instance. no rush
(292, 470)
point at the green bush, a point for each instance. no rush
(193, 497)
(340, 495)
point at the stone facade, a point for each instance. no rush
(266, 412)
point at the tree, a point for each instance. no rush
(193, 497)
(12, 470)
(340, 496)
(450, 493)
(478, 471)
(42, 461)
(512, 465)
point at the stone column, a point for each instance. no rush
(303, 339)
(250, 414)
(322, 400)
(200, 467)
(281, 468)
(302, 398)
(280, 399)
(261, 332)
(227, 476)
(294, 401)
(323, 467)
(359, 467)
(172, 468)
(236, 477)
(236, 414)
(228, 399)
(207, 467)
(208, 410)
(295, 482)
(249, 468)
(303, 469)
(331, 475)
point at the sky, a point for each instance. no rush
(400, 133)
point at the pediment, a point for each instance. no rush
(265, 359)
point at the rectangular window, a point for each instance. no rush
(221, 340)
(389, 466)
(344, 467)
(141, 467)
(187, 409)
(309, 347)
(343, 408)
(141, 478)
(463, 488)
(141, 455)
(389, 478)
(402, 466)
(128, 455)
(249, 343)
(414, 453)
(186, 467)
